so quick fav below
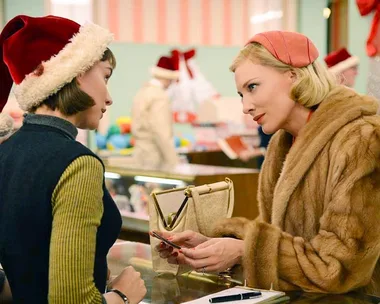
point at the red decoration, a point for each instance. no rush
(176, 54)
(184, 117)
(373, 41)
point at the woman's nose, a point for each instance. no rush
(109, 99)
(247, 107)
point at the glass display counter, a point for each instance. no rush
(130, 186)
(164, 289)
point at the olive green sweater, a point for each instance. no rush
(77, 212)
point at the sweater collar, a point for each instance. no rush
(52, 121)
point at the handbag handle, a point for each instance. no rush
(204, 189)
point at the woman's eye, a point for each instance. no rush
(252, 86)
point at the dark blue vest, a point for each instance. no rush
(31, 164)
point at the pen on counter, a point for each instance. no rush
(236, 297)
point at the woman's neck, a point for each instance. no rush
(44, 110)
(297, 120)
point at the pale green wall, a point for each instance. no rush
(312, 24)
(358, 29)
(19, 7)
(135, 60)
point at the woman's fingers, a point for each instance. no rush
(182, 237)
(209, 268)
(163, 250)
(164, 234)
(176, 258)
(208, 243)
(196, 254)
(198, 265)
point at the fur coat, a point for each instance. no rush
(319, 200)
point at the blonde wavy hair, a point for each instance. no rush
(313, 82)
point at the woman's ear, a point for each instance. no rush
(292, 76)
(80, 78)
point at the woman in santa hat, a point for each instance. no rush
(344, 66)
(152, 124)
(57, 220)
(319, 187)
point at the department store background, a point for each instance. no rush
(216, 29)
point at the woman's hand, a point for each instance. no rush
(214, 255)
(185, 239)
(129, 282)
(6, 294)
(188, 238)
(246, 155)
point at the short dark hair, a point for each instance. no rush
(71, 99)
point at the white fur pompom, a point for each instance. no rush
(6, 124)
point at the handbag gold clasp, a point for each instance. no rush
(209, 188)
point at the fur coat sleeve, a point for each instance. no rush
(318, 228)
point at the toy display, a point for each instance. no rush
(119, 138)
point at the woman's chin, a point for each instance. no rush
(88, 126)
(267, 129)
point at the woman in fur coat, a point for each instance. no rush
(319, 189)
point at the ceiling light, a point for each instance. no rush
(326, 13)
(112, 175)
(71, 2)
(166, 181)
(270, 15)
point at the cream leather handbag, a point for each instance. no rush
(191, 208)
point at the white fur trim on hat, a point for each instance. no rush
(344, 65)
(164, 73)
(6, 124)
(78, 56)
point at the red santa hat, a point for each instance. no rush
(340, 60)
(41, 55)
(165, 68)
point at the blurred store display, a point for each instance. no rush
(118, 140)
